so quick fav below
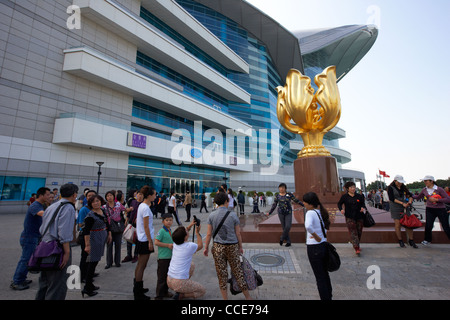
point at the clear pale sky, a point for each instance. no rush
(396, 101)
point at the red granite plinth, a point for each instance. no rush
(319, 175)
(260, 229)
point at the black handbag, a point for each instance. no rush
(368, 220)
(333, 259)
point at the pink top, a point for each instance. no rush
(441, 202)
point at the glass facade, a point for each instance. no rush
(19, 188)
(261, 83)
(262, 80)
(149, 113)
(166, 176)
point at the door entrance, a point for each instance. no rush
(180, 186)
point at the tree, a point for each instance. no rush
(375, 185)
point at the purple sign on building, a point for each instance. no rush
(137, 140)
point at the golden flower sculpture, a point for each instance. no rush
(313, 114)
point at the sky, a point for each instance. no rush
(395, 102)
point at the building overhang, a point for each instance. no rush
(159, 47)
(94, 66)
(283, 46)
(182, 22)
(81, 131)
(344, 46)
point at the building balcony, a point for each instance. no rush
(80, 130)
(158, 46)
(97, 67)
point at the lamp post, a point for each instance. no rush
(99, 173)
(225, 178)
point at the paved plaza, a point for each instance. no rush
(404, 273)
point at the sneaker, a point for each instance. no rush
(19, 287)
(425, 242)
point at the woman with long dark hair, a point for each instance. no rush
(400, 199)
(355, 207)
(315, 218)
(144, 242)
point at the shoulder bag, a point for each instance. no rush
(47, 256)
(333, 259)
(220, 224)
(368, 220)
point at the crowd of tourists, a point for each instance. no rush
(98, 223)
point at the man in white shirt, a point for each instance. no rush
(385, 200)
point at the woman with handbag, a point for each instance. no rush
(355, 207)
(96, 233)
(224, 230)
(316, 243)
(435, 207)
(400, 199)
(114, 210)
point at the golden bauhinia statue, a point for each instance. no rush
(313, 114)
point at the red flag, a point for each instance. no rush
(382, 173)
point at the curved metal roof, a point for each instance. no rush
(282, 45)
(343, 47)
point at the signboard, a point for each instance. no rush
(136, 140)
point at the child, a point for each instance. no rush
(165, 245)
(181, 269)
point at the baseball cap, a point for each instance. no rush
(399, 178)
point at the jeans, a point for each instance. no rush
(286, 223)
(28, 244)
(317, 255)
(431, 215)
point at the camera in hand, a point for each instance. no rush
(197, 221)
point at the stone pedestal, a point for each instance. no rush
(319, 175)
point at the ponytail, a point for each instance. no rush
(325, 216)
(313, 200)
